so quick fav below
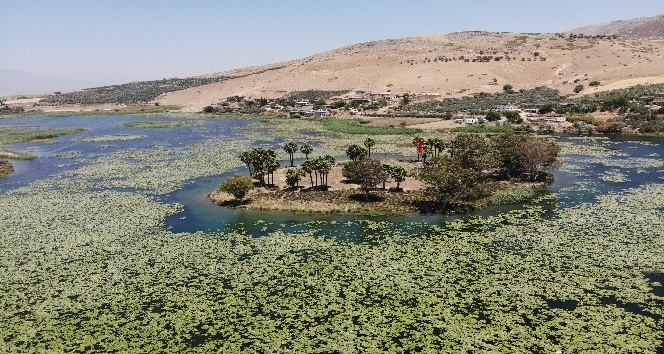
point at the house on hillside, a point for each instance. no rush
(361, 97)
(321, 113)
(466, 120)
(508, 107)
(302, 104)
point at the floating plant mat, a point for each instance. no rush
(85, 269)
(103, 138)
(97, 271)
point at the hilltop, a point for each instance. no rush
(442, 65)
(644, 27)
(449, 65)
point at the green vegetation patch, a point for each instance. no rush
(516, 194)
(37, 134)
(314, 95)
(498, 128)
(103, 138)
(482, 101)
(130, 93)
(6, 153)
(99, 271)
(347, 126)
(164, 124)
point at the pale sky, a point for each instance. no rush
(126, 40)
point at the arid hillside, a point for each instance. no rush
(449, 65)
(645, 27)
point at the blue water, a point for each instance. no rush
(200, 213)
(47, 164)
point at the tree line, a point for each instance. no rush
(454, 173)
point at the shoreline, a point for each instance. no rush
(200, 115)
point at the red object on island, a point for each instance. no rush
(420, 146)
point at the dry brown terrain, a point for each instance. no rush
(433, 64)
(645, 27)
(447, 65)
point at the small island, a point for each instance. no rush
(467, 173)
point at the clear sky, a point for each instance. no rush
(123, 40)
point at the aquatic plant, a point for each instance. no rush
(164, 124)
(22, 136)
(86, 271)
(103, 138)
(512, 195)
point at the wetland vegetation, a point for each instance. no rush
(111, 245)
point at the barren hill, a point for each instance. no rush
(645, 27)
(443, 65)
(448, 65)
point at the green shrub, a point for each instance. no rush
(513, 195)
(348, 126)
(237, 186)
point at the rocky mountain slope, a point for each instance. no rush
(645, 27)
(446, 65)
(449, 65)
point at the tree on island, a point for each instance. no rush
(449, 183)
(323, 166)
(418, 143)
(398, 174)
(290, 148)
(473, 152)
(257, 161)
(356, 152)
(369, 143)
(308, 168)
(272, 165)
(369, 174)
(521, 157)
(306, 149)
(293, 176)
(237, 186)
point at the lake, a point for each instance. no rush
(112, 245)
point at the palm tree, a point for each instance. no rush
(369, 143)
(272, 165)
(356, 152)
(308, 168)
(438, 145)
(290, 148)
(306, 149)
(323, 167)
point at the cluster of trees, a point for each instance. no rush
(458, 177)
(482, 102)
(369, 173)
(429, 147)
(130, 93)
(457, 173)
(513, 117)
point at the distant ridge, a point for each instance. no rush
(436, 65)
(644, 27)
